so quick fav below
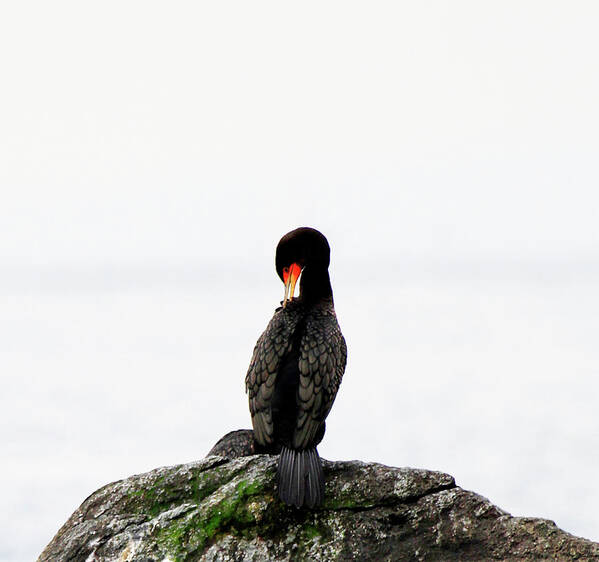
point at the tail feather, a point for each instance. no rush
(300, 477)
(316, 478)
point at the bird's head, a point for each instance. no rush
(301, 249)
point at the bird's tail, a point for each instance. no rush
(300, 477)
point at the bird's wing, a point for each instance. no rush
(323, 355)
(262, 372)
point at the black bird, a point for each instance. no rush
(296, 368)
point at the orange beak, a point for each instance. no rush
(290, 276)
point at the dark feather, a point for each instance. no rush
(300, 477)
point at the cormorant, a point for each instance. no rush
(296, 368)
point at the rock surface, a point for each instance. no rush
(220, 509)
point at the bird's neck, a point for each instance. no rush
(315, 285)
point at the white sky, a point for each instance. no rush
(150, 149)
(168, 131)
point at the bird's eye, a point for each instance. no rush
(285, 270)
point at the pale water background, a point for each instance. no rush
(486, 370)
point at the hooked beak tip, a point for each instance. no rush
(290, 281)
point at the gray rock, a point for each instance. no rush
(219, 509)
